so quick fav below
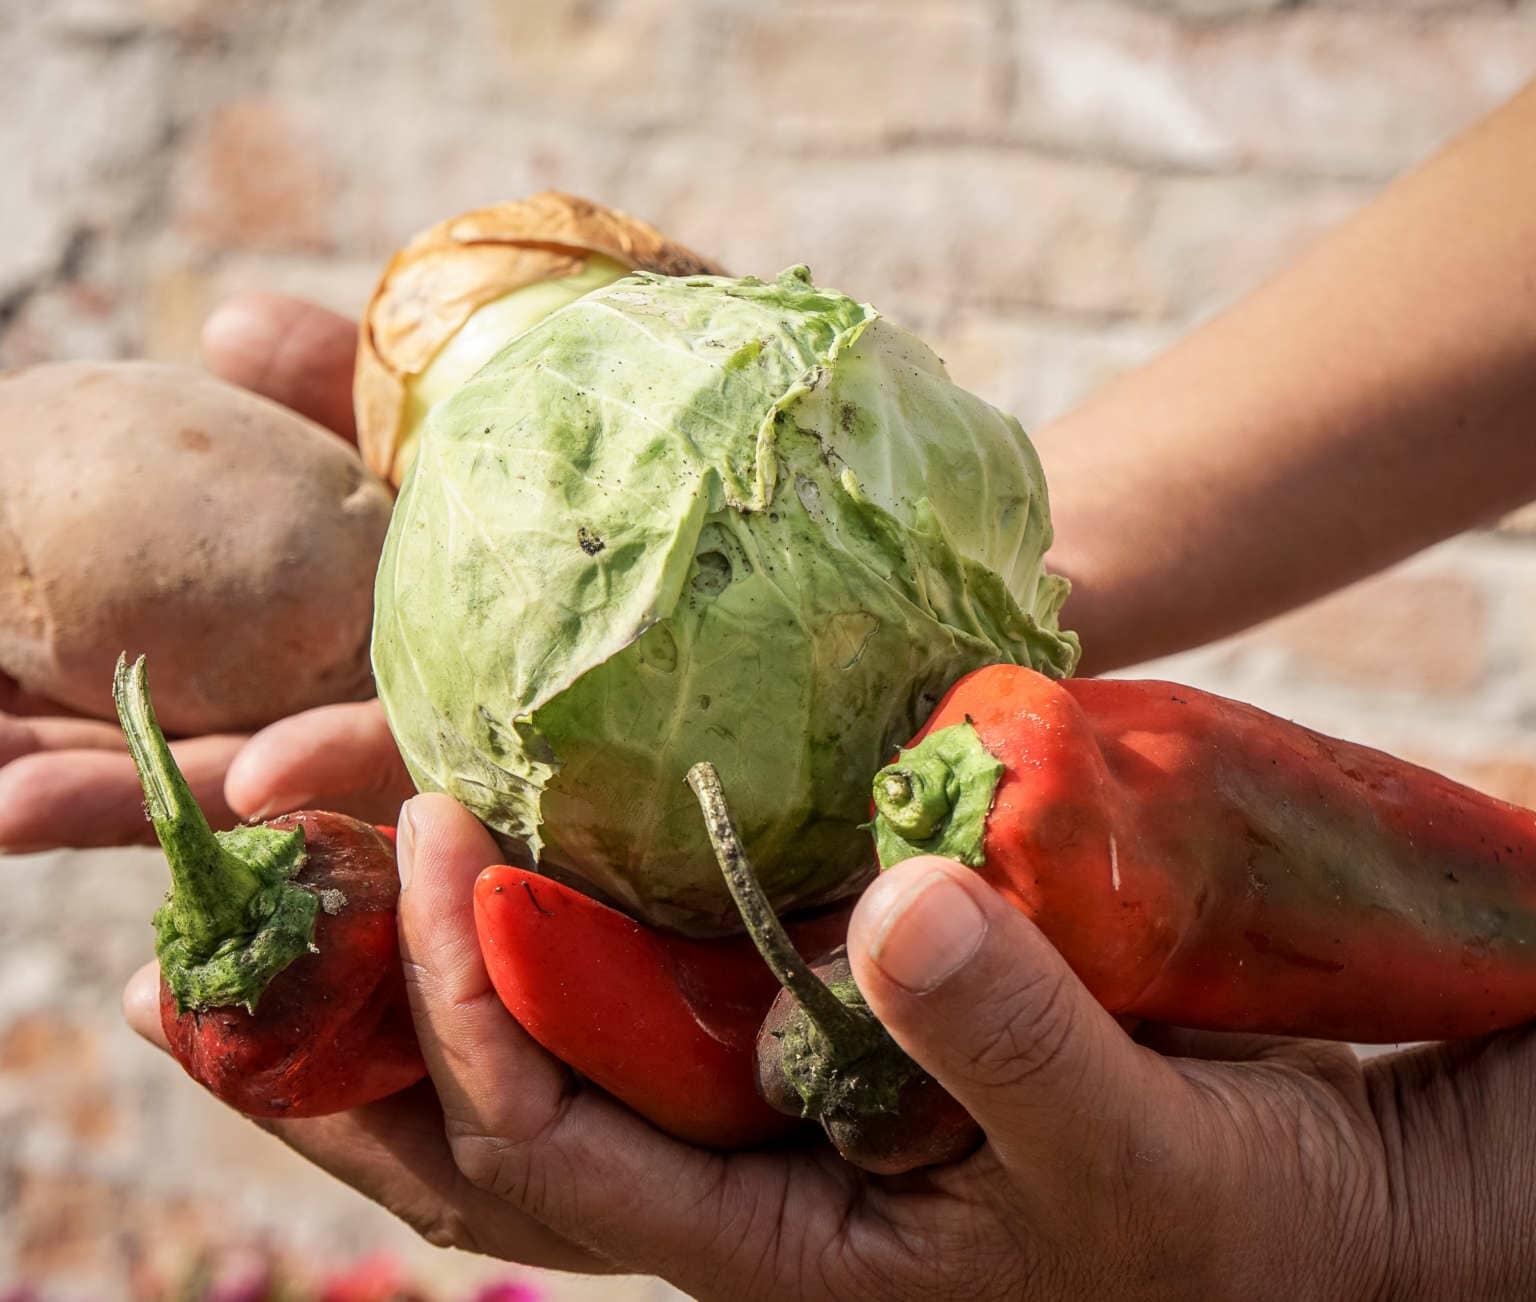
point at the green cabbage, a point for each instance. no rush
(703, 518)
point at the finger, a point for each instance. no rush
(294, 352)
(141, 1005)
(394, 1152)
(20, 737)
(467, 1036)
(522, 1128)
(337, 757)
(84, 798)
(16, 699)
(972, 990)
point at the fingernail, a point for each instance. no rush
(928, 933)
(405, 844)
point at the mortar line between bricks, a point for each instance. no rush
(1008, 71)
(105, 40)
(1449, 11)
(1027, 311)
(905, 141)
(1105, 325)
(64, 268)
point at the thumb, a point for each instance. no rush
(979, 998)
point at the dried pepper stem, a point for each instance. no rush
(849, 1034)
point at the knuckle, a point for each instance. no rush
(1026, 1032)
(433, 967)
(532, 1174)
(442, 1226)
(418, 979)
(16, 739)
(492, 1165)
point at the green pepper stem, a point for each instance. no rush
(848, 1034)
(210, 887)
(936, 797)
(235, 917)
(914, 796)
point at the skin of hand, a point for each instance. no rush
(68, 781)
(1184, 1166)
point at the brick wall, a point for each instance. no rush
(1048, 190)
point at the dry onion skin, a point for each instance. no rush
(457, 292)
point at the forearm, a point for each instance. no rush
(1378, 396)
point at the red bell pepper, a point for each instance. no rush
(1202, 863)
(665, 1024)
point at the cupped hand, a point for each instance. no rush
(1186, 1166)
(67, 781)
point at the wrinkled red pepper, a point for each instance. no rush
(1202, 863)
(665, 1024)
(333, 1030)
(281, 985)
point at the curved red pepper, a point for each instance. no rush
(1202, 863)
(665, 1024)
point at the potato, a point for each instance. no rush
(154, 509)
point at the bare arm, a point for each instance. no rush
(1376, 397)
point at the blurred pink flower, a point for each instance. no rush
(376, 1278)
(508, 1290)
(241, 1275)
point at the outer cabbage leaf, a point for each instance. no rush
(715, 519)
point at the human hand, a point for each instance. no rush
(1185, 1166)
(68, 781)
